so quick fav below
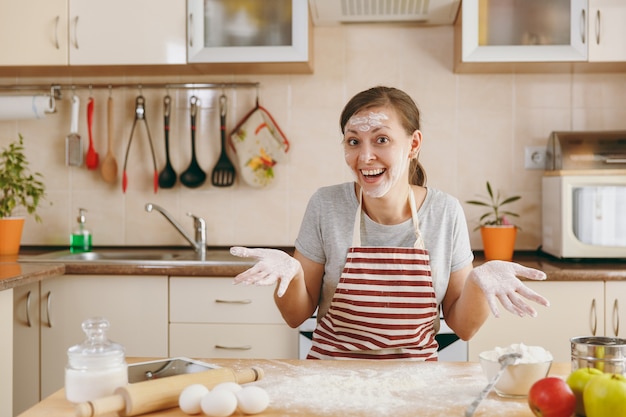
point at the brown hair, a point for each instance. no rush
(405, 107)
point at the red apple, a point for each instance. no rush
(551, 397)
(577, 381)
(605, 395)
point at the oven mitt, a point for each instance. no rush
(259, 144)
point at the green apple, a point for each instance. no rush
(577, 381)
(605, 395)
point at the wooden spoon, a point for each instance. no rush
(109, 164)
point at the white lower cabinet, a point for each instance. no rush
(212, 318)
(615, 309)
(576, 309)
(136, 307)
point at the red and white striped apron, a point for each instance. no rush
(384, 306)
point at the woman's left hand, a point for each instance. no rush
(499, 282)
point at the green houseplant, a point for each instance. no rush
(497, 231)
(20, 189)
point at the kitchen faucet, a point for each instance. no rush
(199, 224)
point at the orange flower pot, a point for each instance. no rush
(498, 242)
(11, 235)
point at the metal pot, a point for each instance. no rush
(607, 354)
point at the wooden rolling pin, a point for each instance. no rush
(160, 394)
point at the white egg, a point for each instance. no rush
(230, 386)
(252, 399)
(219, 403)
(190, 397)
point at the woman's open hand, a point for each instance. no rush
(273, 265)
(499, 282)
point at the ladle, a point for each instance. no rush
(504, 360)
(108, 169)
(167, 177)
(193, 176)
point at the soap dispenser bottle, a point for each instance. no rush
(80, 239)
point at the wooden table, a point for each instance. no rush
(356, 388)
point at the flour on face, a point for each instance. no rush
(367, 122)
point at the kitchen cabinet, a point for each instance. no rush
(6, 352)
(241, 31)
(607, 32)
(87, 32)
(212, 318)
(615, 309)
(558, 31)
(136, 307)
(576, 309)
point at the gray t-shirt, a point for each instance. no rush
(326, 234)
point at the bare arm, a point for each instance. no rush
(302, 296)
(465, 307)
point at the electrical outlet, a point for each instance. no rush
(535, 157)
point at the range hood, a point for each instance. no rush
(426, 12)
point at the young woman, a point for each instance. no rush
(378, 257)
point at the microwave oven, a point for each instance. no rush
(584, 216)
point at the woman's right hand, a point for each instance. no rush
(273, 265)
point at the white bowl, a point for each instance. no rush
(517, 379)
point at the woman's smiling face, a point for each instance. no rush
(377, 149)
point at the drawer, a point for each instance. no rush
(217, 300)
(262, 341)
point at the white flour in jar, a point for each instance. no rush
(530, 354)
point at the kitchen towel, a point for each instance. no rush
(25, 107)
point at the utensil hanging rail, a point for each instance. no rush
(56, 89)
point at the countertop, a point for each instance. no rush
(356, 388)
(17, 272)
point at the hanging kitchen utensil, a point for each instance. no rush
(193, 176)
(92, 157)
(108, 168)
(140, 114)
(73, 142)
(167, 177)
(224, 171)
(259, 144)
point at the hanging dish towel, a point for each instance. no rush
(259, 144)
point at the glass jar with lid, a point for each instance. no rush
(96, 367)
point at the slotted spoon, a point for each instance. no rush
(224, 171)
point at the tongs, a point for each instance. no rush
(140, 114)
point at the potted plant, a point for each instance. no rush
(19, 190)
(497, 232)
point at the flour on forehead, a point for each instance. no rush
(366, 122)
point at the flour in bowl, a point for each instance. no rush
(530, 354)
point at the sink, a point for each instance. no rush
(153, 256)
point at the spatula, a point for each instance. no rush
(505, 360)
(224, 171)
(73, 143)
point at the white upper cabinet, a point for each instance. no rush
(240, 31)
(524, 31)
(127, 32)
(33, 32)
(92, 32)
(607, 30)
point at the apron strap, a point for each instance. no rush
(356, 231)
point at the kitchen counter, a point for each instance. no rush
(356, 388)
(14, 273)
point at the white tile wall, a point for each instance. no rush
(467, 119)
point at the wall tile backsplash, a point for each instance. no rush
(475, 129)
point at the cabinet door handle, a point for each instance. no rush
(583, 26)
(244, 347)
(56, 32)
(191, 30)
(598, 27)
(615, 317)
(28, 322)
(244, 301)
(48, 301)
(76, 32)
(593, 318)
